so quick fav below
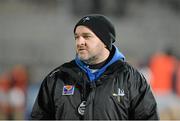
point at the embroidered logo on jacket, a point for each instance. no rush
(119, 94)
(68, 90)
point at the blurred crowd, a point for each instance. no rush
(162, 71)
(13, 92)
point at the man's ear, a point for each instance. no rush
(105, 46)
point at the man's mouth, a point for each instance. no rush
(81, 49)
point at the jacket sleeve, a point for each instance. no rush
(143, 105)
(43, 107)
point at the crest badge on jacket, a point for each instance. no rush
(68, 90)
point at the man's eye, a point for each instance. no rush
(76, 37)
(87, 37)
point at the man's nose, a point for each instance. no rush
(80, 41)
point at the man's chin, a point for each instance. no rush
(82, 58)
(86, 60)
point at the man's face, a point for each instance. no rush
(88, 46)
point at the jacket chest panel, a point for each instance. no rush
(66, 103)
(112, 93)
(110, 100)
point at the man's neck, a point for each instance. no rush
(101, 64)
(101, 57)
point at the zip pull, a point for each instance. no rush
(81, 108)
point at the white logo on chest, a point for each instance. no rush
(119, 94)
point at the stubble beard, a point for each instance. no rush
(90, 60)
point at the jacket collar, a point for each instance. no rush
(95, 76)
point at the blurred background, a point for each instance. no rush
(36, 36)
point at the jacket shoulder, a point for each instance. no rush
(133, 77)
(123, 66)
(127, 68)
(67, 65)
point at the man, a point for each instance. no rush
(98, 83)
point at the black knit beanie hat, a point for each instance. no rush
(101, 26)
